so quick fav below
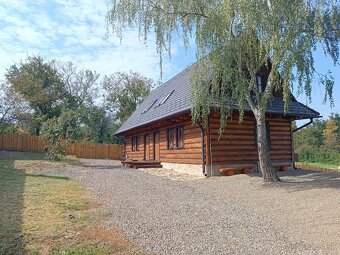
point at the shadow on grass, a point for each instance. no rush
(48, 176)
(12, 184)
(15, 155)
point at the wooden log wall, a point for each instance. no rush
(192, 151)
(190, 154)
(238, 143)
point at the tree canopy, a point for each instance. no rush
(247, 50)
(319, 142)
(61, 100)
(124, 92)
(234, 41)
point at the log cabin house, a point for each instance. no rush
(160, 133)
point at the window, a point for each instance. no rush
(171, 138)
(176, 138)
(259, 82)
(163, 99)
(180, 137)
(149, 107)
(135, 143)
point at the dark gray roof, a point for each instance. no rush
(179, 101)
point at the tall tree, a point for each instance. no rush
(330, 134)
(124, 91)
(238, 41)
(38, 82)
(80, 85)
(11, 106)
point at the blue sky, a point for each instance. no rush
(76, 31)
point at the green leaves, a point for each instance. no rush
(124, 92)
(236, 40)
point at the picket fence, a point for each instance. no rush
(28, 143)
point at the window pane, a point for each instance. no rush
(171, 137)
(180, 137)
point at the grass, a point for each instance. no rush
(45, 214)
(323, 165)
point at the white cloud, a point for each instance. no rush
(73, 31)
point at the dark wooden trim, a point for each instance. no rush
(145, 136)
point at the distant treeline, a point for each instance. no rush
(58, 101)
(320, 141)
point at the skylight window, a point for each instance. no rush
(163, 99)
(149, 107)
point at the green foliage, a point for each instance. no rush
(58, 131)
(237, 40)
(11, 105)
(319, 142)
(124, 92)
(62, 100)
(39, 83)
(97, 124)
(79, 84)
(52, 133)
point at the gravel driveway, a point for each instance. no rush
(168, 213)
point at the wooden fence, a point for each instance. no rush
(19, 142)
(28, 143)
(99, 150)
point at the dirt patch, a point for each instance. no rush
(171, 174)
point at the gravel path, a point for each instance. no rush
(168, 213)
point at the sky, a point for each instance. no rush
(76, 31)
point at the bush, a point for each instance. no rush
(52, 132)
(319, 155)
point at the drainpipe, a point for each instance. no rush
(305, 125)
(203, 151)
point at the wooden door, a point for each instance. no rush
(156, 146)
(147, 147)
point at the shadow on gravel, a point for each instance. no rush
(304, 180)
(101, 166)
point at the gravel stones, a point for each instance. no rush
(166, 214)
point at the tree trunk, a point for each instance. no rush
(268, 171)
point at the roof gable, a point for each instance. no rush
(175, 94)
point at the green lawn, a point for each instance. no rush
(42, 214)
(323, 165)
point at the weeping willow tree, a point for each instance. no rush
(236, 42)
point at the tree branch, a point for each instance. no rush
(181, 13)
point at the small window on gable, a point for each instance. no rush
(163, 99)
(259, 81)
(149, 107)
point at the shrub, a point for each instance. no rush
(52, 132)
